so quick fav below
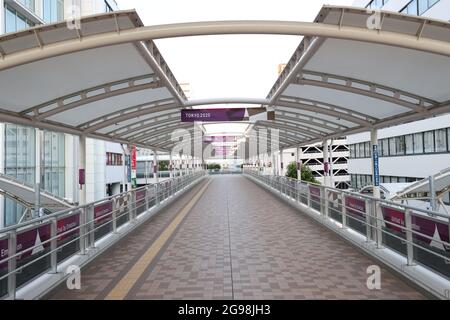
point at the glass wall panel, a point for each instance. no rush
(428, 141)
(385, 149)
(440, 140)
(400, 145)
(392, 150)
(409, 144)
(418, 143)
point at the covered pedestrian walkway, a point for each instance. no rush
(237, 242)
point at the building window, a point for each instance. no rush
(409, 144)
(14, 21)
(440, 140)
(53, 10)
(54, 163)
(428, 142)
(385, 147)
(376, 4)
(392, 150)
(400, 145)
(418, 143)
(418, 7)
(114, 159)
(29, 4)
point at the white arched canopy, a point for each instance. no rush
(109, 81)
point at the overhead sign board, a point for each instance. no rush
(227, 115)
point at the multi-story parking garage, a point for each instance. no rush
(259, 235)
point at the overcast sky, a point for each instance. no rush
(232, 65)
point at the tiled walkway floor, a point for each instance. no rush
(239, 242)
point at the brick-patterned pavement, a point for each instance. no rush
(239, 242)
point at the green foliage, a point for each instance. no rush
(307, 175)
(163, 165)
(214, 166)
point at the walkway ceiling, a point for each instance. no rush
(109, 81)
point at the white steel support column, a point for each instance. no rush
(376, 209)
(82, 166)
(171, 166)
(156, 166)
(274, 163)
(375, 164)
(299, 163)
(326, 164)
(39, 143)
(330, 166)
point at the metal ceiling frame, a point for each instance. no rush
(142, 38)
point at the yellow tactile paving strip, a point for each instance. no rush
(120, 291)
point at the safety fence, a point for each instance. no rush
(421, 236)
(37, 247)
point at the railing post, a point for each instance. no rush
(308, 190)
(378, 224)
(91, 236)
(157, 194)
(368, 220)
(83, 231)
(344, 211)
(114, 215)
(147, 193)
(53, 245)
(297, 190)
(12, 263)
(130, 206)
(409, 238)
(326, 203)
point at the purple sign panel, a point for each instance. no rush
(421, 224)
(70, 225)
(140, 195)
(212, 115)
(103, 212)
(315, 194)
(3, 253)
(395, 219)
(431, 228)
(33, 238)
(355, 207)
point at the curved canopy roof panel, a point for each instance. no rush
(109, 81)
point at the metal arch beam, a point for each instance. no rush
(324, 83)
(104, 123)
(372, 89)
(86, 99)
(334, 112)
(137, 126)
(144, 127)
(313, 123)
(308, 126)
(157, 133)
(289, 128)
(203, 102)
(284, 134)
(164, 135)
(226, 27)
(327, 124)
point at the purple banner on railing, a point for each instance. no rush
(3, 253)
(103, 212)
(32, 238)
(314, 191)
(140, 195)
(355, 207)
(70, 225)
(436, 230)
(395, 218)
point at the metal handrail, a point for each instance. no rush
(85, 229)
(371, 218)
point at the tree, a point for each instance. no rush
(307, 174)
(163, 165)
(214, 166)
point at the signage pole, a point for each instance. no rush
(325, 163)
